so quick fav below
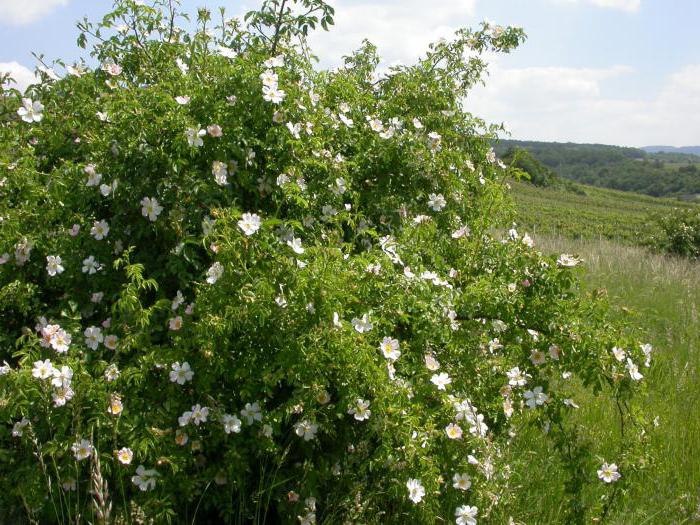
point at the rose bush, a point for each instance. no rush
(237, 288)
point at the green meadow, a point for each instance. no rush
(656, 294)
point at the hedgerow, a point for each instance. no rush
(238, 288)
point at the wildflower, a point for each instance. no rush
(461, 481)
(537, 357)
(305, 429)
(53, 265)
(42, 369)
(231, 424)
(179, 299)
(295, 245)
(434, 141)
(226, 52)
(18, 427)
(111, 342)
(308, 519)
(175, 323)
(31, 110)
(441, 380)
(633, 370)
(323, 397)
(194, 137)
(273, 94)
(112, 69)
(69, 485)
(249, 223)
(376, 125)
(82, 449)
(125, 455)
(181, 373)
(77, 70)
(5, 368)
(269, 78)
(112, 373)
(181, 437)
(62, 395)
(215, 272)
(294, 129)
(478, 427)
(568, 261)
(215, 130)
(609, 473)
(144, 479)
(416, 491)
(431, 363)
(619, 353)
(570, 403)
(436, 202)
(91, 266)
(94, 178)
(516, 377)
(346, 120)
(182, 100)
(150, 208)
(453, 431)
(251, 412)
(220, 172)
(464, 231)
(23, 251)
(646, 350)
(362, 325)
(99, 230)
(390, 348)
(554, 352)
(199, 414)
(115, 405)
(466, 515)
(276, 61)
(360, 410)
(60, 341)
(62, 377)
(535, 397)
(106, 189)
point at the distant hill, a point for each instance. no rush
(666, 174)
(692, 150)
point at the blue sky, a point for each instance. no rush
(610, 71)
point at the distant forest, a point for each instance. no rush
(627, 169)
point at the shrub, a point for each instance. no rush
(236, 288)
(679, 233)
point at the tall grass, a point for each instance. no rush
(658, 296)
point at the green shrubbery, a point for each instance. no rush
(679, 233)
(238, 289)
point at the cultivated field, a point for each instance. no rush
(592, 214)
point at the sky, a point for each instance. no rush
(624, 72)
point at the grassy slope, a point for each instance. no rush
(600, 213)
(661, 296)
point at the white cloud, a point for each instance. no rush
(22, 76)
(624, 5)
(22, 12)
(570, 104)
(401, 30)
(630, 6)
